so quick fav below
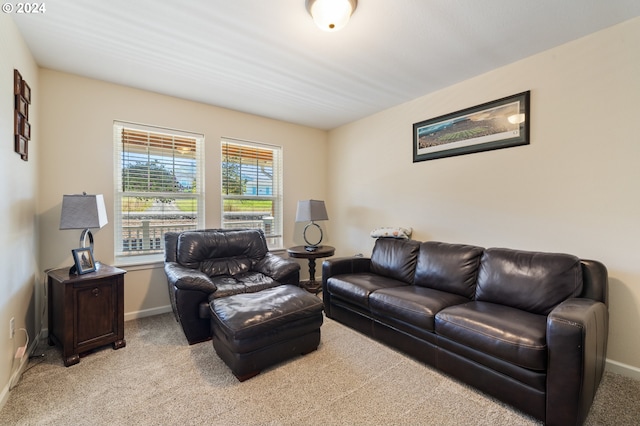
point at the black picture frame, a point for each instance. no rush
(502, 123)
(84, 263)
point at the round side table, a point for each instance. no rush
(300, 252)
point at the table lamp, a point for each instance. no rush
(82, 211)
(311, 210)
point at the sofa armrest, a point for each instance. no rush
(285, 271)
(339, 266)
(344, 265)
(577, 334)
(188, 279)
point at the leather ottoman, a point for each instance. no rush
(252, 331)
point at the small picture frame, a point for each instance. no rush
(25, 91)
(17, 82)
(25, 129)
(22, 106)
(84, 262)
(22, 147)
(17, 122)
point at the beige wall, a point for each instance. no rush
(18, 192)
(573, 189)
(77, 151)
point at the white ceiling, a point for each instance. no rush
(267, 57)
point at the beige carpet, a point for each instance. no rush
(158, 379)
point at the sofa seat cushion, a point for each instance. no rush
(509, 334)
(247, 282)
(356, 288)
(413, 305)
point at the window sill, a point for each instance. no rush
(136, 263)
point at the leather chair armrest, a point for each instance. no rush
(285, 271)
(577, 334)
(188, 279)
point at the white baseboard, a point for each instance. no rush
(623, 369)
(147, 312)
(15, 377)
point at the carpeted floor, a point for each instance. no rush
(157, 379)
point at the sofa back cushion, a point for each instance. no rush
(532, 281)
(395, 258)
(448, 267)
(221, 252)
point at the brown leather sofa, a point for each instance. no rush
(528, 328)
(208, 264)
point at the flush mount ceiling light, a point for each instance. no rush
(331, 15)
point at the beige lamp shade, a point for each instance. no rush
(83, 211)
(311, 211)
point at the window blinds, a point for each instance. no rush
(252, 188)
(159, 186)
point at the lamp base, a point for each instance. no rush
(311, 246)
(83, 239)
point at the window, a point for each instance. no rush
(159, 187)
(252, 188)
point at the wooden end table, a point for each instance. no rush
(300, 252)
(86, 311)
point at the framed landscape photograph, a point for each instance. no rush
(497, 124)
(84, 262)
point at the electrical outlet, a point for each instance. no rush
(20, 352)
(12, 327)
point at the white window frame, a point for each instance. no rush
(273, 227)
(151, 244)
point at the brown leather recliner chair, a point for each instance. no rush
(207, 264)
